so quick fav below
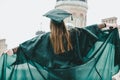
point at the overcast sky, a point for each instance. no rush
(20, 19)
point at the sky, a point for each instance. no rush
(20, 19)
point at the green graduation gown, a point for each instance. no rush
(95, 56)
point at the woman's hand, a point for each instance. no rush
(111, 26)
(107, 25)
(9, 52)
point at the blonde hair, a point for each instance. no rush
(60, 37)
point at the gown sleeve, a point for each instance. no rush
(29, 45)
(86, 38)
(26, 49)
(93, 28)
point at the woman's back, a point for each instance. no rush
(43, 51)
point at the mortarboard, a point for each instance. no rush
(57, 15)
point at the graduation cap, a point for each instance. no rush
(57, 15)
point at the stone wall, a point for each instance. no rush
(3, 45)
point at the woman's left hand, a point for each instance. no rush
(9, 52)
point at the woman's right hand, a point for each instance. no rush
(107, 26)
(111, 25)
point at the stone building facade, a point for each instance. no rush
(112, 20)
(3, 45)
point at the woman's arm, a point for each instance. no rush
(103, 25)
(11, 51)
(97, 27)
(15, 49)
(107, 25)
(27, 46)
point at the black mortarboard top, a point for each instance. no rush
(57, 15)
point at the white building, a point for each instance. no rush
(3, 45)
(112, 20)
(78, 8)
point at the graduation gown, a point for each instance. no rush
(95, 56)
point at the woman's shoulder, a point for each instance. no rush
(36, 38)
(43, 35)
(75, 29)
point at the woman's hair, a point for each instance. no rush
(60, 37)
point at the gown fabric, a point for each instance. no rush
(95, 56)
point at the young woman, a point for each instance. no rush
(63, 53)
(59, 33)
